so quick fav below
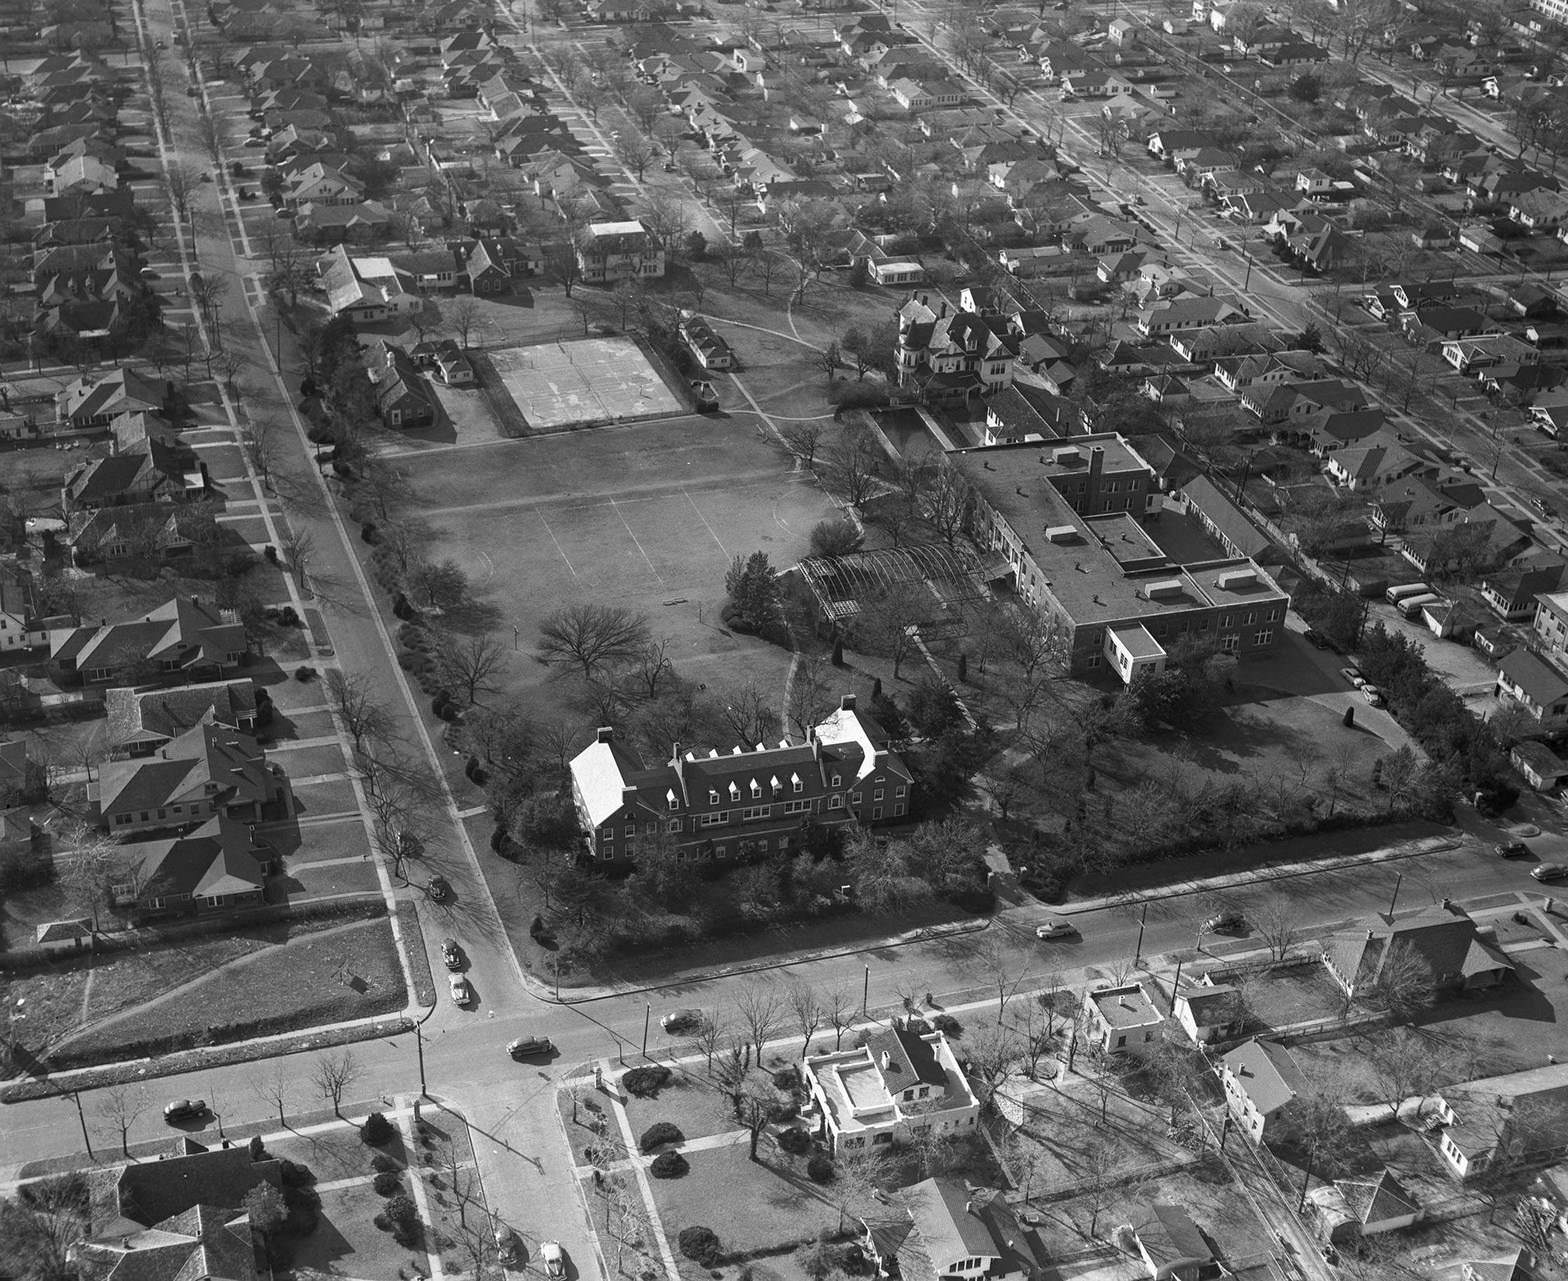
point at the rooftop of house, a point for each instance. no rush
(206, 762)
(150, 1191)
(1127, 1006)
(1267, 1072)
(951, 1223)
(864, 1086)
(1444, 938)
(1541, 682)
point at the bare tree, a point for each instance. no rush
(838, 1010)
(634, 151)
(747, 712)
(761, 1010)
(995, 1052)
(181, 182)
(1005, 972)
(271, 1086)
(706, 1037)
(809, 694)
(465, 316)
(1406, 982)
(364, 716)
(1276, 923)
(802, 440)
(94, 870)
(807, 1012)
(120, 1105)
(298, 550)
(592, 637)
(333, 1075)
(855, 461)
(1409, 1065)
(468, 662)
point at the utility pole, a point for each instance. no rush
(1394, 898)
(1143, 917)
(647, 1015)
(419, 1047)
(865, 995)
(76, 1098)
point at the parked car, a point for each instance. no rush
(1227, 922)
(184, 1110)
(1316, 638)
(1512, 849)
(1372, 694)
(554, 1258)
(682, 1021)
(526, 1047)
(462, 993)
(247, 194)
(1353, 675)
(439, 889)
(451, 954)
(1055, 929)
(1549, 872)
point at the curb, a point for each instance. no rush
(923, 935)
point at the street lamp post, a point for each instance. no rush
(419, 1048)
(865, 995)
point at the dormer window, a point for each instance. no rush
(713, 796)
(672, 800)
(776, 785)
(756, 789)
(734, 792)
(836, 780)
(795, 784)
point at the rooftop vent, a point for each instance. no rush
(1163, 589)
(1232, 579)
(1062, 533)
(1067, 456)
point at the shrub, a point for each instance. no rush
(795, 1140)
(382, 1163)
(658, 1134)
(382, 1222)
(669, 1165)
(386, 1183)
(304, 673)
(820, 1168)
(701, 1245)
(295, 1175)
(787, 1079)
(947, 1025)
(377, 1130)
(835, 536)
(646, 1081)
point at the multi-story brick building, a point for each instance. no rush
(1067, 518)
(608, 252)
(741, 804)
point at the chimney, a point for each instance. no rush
(1096, 464)
(606, 734)
(675, 754)
(886, 1061)
(846, 703)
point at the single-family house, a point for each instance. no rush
(1537, 687)
(1522, 1113)
(1121, 1018)
(948, 1231)
(184, 635)
(139, 722)
(1443, 941)
(707, 346)
(1167, 1240)
(1542, 768)
(608, 252)
(897, 1083)
(1209, 1011)
(1348, 1210)
(1262, 1084)
(209, 770)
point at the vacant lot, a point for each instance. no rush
(220, 988)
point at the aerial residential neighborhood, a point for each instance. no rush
(782, 640)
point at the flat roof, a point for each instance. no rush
(1126, 540)
(1135, 639)
(1123, 1007)
(631, 227)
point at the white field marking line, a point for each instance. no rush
(615, 507)
(557, 543)
(705, 524)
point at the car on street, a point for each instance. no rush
(1549, 872)
(184, 1110)
(682, 1021)
(1372, 694)
(530, 1047)
(1353, 675)
(554, 1258)
(1512, 849)
(1316, 638)
(1055, 929)
(451, 954)
(462, 993)
(439, 889)
(247, 194)
(1226, 922)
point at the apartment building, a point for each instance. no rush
(608, 252)
(746, 803)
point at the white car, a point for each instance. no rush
(554, 1258)
(462, 994)
(1055, 929)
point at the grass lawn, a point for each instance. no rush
(688, 1101)
(756, 1207)
(1063, 1129)
(325, 975)
(303, 762)
(347, 1242)
(312, 881)
(1280, 997)
(335, 797)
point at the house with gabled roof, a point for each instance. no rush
(92, 401)
(1537, 687)
(139, 722)
(1167, 1240)
(161, 470)
(1445, 939)
(946, 1230)
(707, 346)
(1348, 1210)
(1262, 1084)
(184, 635)
(899, 1082)
(208, 770)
